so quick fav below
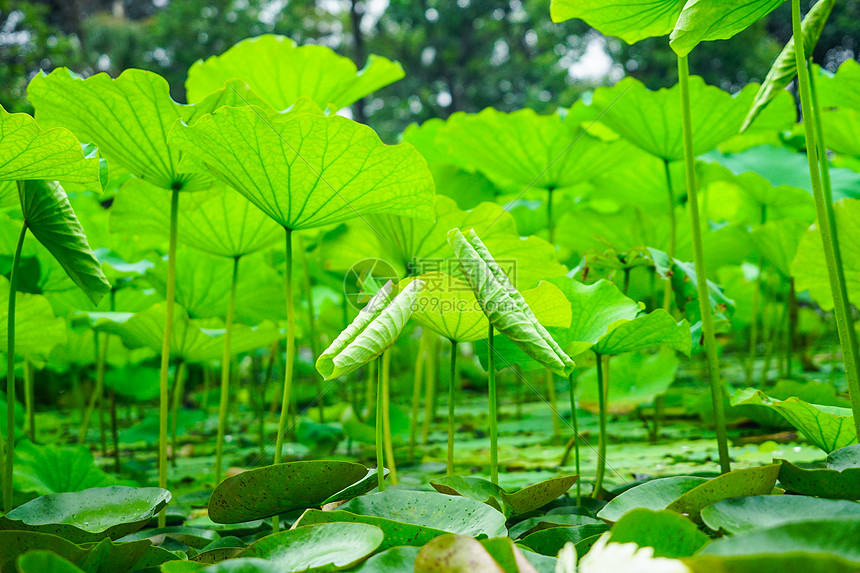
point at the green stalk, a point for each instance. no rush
(416, 398)
(493, 398)
(430, 389)
(114, 432)
(291, 349)
(571, 384)
(602, 385)
(452, 388)
(28, 399)
(673, 234)
(820, 177)
(178, 392)
(386, 416)
(225, 374)
(163, 395)
(551, 396)
(717, 390)
(659, 406)
(380, 459)
(10, 374)
(312, 327)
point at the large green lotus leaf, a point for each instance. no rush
(631, 21)
(657, 328)
(37, 330)
(469, 189)
(504, 306)
(203, 286)
(45, 561)
(271, 490)
(373, 331)
(777, 242)
(219, 221)
(456, 554)
(510, 502)
(102, 557)
(809, 269)
(840, 127)
(825, 537)
(550, 541)
(651, 120)
(784, 68)
(670, 534)
(640, 180)
(323, 547)
(656, 494)
(635, 379)
(814, 392)
(30, 153)
(89, 515)
(522, 149)
(52, 221)
(128, 118)
(306, 169)
(78, 348)
(703, 20)
(840, 479)
(737, 483)
(193, 340)
(828, 427)
(395, 560)
(841, 89)
(749, 198)
(744, 514)
(397, 533)
(453, 514)
(281, 72)
(45, 469)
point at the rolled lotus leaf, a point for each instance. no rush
(374, 330)
(505, 307)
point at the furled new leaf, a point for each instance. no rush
(374, 330)
(281, 72)
(504, 306)
(306, 169)
(784, 69)
(703, 20)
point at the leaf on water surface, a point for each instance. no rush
(631, 21)
(656, 494)
(281, 72)
(51, 219)
(455, 554)
(89, 515)
(784, 68)
(453, 514)
(323, 547)
(510, 502)
(533, 524)
(395, 560)
(737, 483)
(505, 307)
(276, 489)
(704, 20)
(840, 479)
(103, 557)
(45, 561)
(651, 119)
(550, 541)
(307, 170)
(669, 534)
(372, 332)
(828, 427)
(746, 514)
